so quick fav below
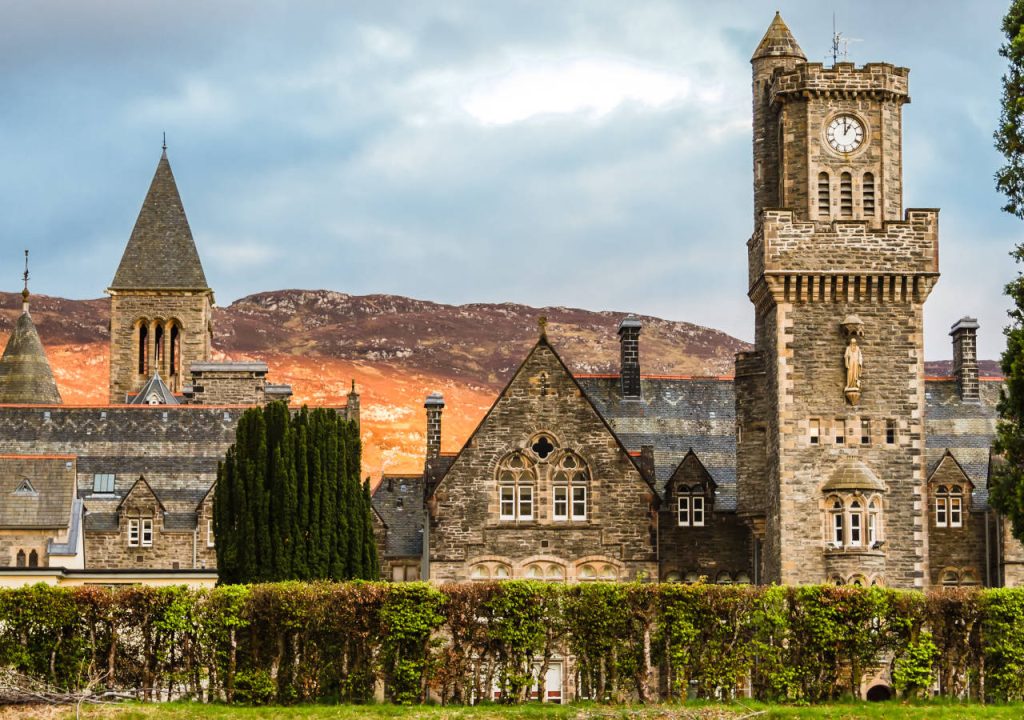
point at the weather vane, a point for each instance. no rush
(25, 276)
(165, 140)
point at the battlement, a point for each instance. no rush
(844, 79)
(783, 245)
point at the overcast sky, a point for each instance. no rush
(592, 154)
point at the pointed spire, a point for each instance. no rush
(778, 41)
(25, 375)
(161, 253)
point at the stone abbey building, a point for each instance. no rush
(829, 457)
(122, 492)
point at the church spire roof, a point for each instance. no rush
(25, 375)
(778, 41)
(161, 253)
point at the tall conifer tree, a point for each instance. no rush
(288, 502)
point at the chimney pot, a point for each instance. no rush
(434, 406)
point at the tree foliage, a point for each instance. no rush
(289, 503)
(1010, 135)
(1007, 483)
(296, 642)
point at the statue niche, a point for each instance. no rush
(853, 358)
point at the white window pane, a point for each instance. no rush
(940, 512)
(133, 532)
(526, 502)
(955, 512)
(561, 503)
(147, 532)
(698, 511)
(837, 528)
(855, 529)
(684, 510)
(508, 502)
(579, 503)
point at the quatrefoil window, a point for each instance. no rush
(543, 447)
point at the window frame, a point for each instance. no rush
(146, 536)
(134, 534)
(697, 510)
(210, 541)
(560, 497)
(683, 511)
(507, 502)
(97, 490)
(577, 516)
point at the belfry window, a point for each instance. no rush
(516, 480)
(824, 200)
(846, 195)
(33, 559)
(158, 337)
(175, 350)
(869, 194)
(143, 348)
(21, 558)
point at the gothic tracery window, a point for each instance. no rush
(569, 488)
(516, 483)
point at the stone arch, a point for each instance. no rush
(33, 559)
(20, 560)
(490, 567)
(140, 333)
(598, 568)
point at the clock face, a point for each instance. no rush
(845, 133)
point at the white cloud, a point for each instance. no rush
(590, 86)
(197, 100)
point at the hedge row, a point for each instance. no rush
(342, 642)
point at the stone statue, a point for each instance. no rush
(854, 362)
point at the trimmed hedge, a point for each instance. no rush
(340, 642)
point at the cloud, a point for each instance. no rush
(593, 87)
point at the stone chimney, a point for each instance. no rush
(434, 406)
(629, 356)
(965, 358)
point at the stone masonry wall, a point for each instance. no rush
(619, 531)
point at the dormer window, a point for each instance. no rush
(25, 489)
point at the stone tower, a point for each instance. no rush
(160, 302)
(25, 375)
(830, 403)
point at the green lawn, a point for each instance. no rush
(719, 711)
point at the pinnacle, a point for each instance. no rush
(778, 41)
(161, 253)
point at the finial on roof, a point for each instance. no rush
(353, 386)
(165, 142)
(24, 291)
(542, 323)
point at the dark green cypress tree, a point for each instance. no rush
(289, 504)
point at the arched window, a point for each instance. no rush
(33, 559)
(836, 524)
(516, 483)
(587, 573)
(21, 558)
(824, 195)
(950, 578)
(690, 510)
(869, 195)
(846, 195)
(158, 337)
(569, 489)
(724, 578)
(175, 350)
(143, 347)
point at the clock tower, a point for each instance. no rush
(830, 403)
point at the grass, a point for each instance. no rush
(937, 710)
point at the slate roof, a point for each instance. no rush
(101, 522)
(965, 429)
(156, 388)
(674, 415)
(45, 500)
(399, 502)
(161, 253)
(25, 375)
